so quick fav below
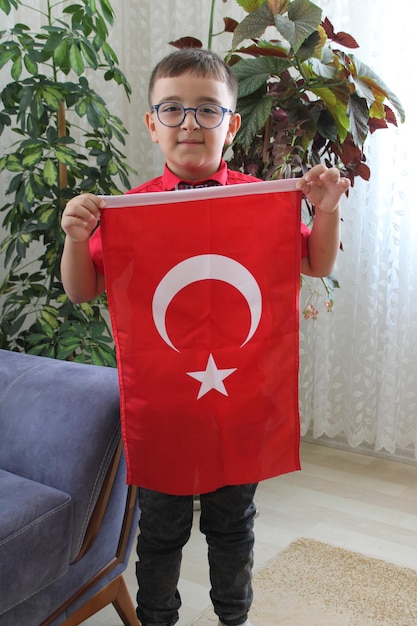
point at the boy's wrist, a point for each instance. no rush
(77, 243)
(329, 212)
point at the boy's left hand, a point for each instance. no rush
(323, 187)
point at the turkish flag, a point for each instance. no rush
(203, 290)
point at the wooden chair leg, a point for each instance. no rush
(124, 605)
(115, 593)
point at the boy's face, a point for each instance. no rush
(192, 152)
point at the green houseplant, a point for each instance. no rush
(63, 139)
(303, 96)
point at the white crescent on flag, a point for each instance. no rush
(202, 267)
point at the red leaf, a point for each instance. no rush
(258, 51)
(229, 25)
(186, 42)
(342, 38)
(375, 124)
(349, 153)
(390, 115)
(363, 171)
(328, 28)
(346, 40)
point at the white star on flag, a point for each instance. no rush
(211, 378)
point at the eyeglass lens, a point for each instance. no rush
(206, 115)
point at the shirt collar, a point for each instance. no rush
(170, 180)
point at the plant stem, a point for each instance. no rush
(210, 33)
(62, 169)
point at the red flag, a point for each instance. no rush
(203, 293)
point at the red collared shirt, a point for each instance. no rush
(168, 182)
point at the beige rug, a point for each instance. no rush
(315, 584)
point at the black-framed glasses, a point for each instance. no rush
(173, 114)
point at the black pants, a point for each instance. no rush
(227, 518)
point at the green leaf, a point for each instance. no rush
(112, 169)
(332, 90)
(109, 54)
(6, 5)
(326, 126)
(250, 5)
(89, 54)
(50, 173)
(337, 104)
(97, 329)
(364, 74)
(72, 8)
(311, 47)
(92, 5)
(303, 19)
(102, 355)
(81, 107)
(93, 119)
(17, 324)
(5, 120)
(66, 155)
(76, 60)
(61, 53)
(52, 40)
(29, 197)
(330, 284)
(103, 158)
(13, 163)
(50, 314)
(44, 347)
(37, 107)
(97, 113)
(31, 156)
(358, 111)
(254, 111)
(254, 73)
(101, 29)
(107, 11)
(45, 217)
(26, 96)
(254, 25)
(16, 68)
(52, 97)
(32, 126)
(65, 350)
(6, 55)
(30, 64)
(15, 183)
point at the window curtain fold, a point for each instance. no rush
(358, 375)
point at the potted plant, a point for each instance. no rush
(303, 96)
(63, 140)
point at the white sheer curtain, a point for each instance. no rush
(358, 375)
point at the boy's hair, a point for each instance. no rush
(196, 61)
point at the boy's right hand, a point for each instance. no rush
(80, 216)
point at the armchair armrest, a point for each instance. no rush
(50, 413)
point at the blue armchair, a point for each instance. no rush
(67, 518)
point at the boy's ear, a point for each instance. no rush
(234, 125)
(150, 123)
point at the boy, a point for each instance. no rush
(192, 97)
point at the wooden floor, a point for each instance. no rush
(351, 500)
